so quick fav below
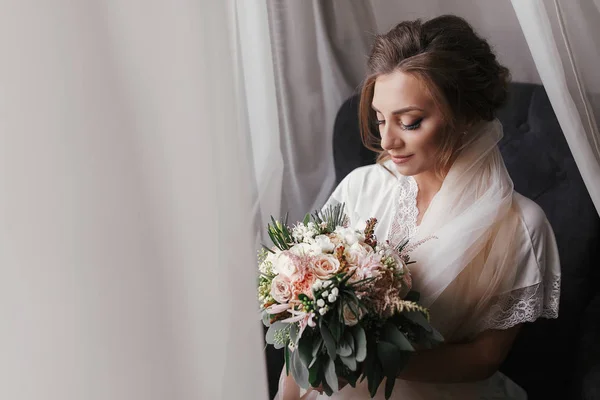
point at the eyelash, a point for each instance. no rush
(410, 127)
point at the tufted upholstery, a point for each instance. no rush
(551, 358)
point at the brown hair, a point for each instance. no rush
(457, 67)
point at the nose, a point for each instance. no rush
(390, 139)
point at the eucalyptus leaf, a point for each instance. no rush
(344, 349)
(349, 362)
(360, 342)
(266, 320)
(349, 338)
(299, 371)
(330, 375)
(393, 335)
(329, 342)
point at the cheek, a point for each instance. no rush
(427, 141)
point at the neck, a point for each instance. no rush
(429, 184)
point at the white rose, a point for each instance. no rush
(355, 254)
(281, 289)
(324, 243)
(349, 316)
(305, 249)
(349, 235)
(284, 265)
(325, 265)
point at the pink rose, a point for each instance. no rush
(350, 314)
(325, 265)
(281, 289)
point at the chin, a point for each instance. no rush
(407, 170)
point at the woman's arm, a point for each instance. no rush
(464, 362)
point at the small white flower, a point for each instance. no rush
(318, 285)
(320, 302)
(325, 294)
(326, 284)
(335, 291)
(323, 310)
(331, 298)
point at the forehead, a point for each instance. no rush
(398, 90)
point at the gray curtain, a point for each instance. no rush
(319, 53)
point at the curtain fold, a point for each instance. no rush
(563, 39)
(125, 204)
(319, 54)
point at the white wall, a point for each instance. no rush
(495, 20)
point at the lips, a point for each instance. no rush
(401, 159)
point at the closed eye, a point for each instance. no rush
(411, 127)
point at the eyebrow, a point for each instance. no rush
(400, 110)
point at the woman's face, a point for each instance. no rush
(410, 123)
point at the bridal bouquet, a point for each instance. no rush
(340, 303)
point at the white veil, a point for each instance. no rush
(471, 261)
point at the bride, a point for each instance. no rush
(432, 91)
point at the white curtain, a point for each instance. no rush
(319, 51)
(564, 39)
(126, 251)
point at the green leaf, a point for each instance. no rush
(306, 219)
(314, 374)
(287, 360)
(299, 371)
(389, 355)
(294, 333)
(389, 387)
(329, 342)
(305, 350)
(349, 362)
(375, 380)
(317, 346)
(360, 342)
(413, 296)
(335, 327)
(393, 335)
(436, 335)
(418, 318)
(330, 375)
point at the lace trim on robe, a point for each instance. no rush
(404, 225)
(524, 305)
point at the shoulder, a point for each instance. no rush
(537, 239)
(532, 217)
(368, 177)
